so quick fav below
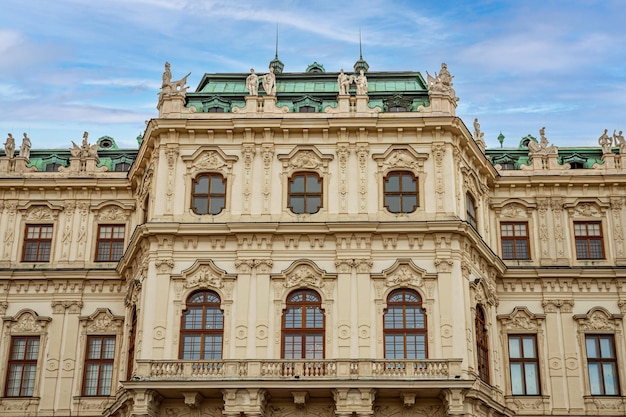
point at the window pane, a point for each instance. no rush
(191, 347)
(595, 249)
(606, 347)
(392, 183)
(297, 204)
(193, 318)
(610, 379)
(313, 184)
(217, 205)
(521, 248)
(201, 185)
(592, 347)
(532, 386)
(529, 347)
(217, 184)
(106, 374)
(409, 202)
(506, 229)
(408, 183)
(517, 380)
(595, 379)
(508, 250)
(297, 184)
(393, 203)
(293, 347)
(514, 348)
(313, 204)
(314, 347)
(200, 205)
(212, 347)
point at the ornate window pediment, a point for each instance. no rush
(43, 211)
(209, 159)
(303, 273)
(26, 321)
(521, 320)
(112, 211)
(400, 157)
(102, 321)
(403, 273)
(305, 158)
(514, 208)
(205, 274)
(587, 208)
(599, 319)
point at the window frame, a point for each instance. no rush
(470, 210)
(11, 362)
(482, 344)
(401, 193)
(305, 194)
(202, 332)
(110, 241)
(209, 193)
(405, 331)
(514, 238)
(39, 242)
(601, 361)
(303, 331)
(523, 360)
(102, 381)
(588, 239)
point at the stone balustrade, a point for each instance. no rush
(424, 369)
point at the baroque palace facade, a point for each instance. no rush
(313, 244)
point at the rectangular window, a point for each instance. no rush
(515, 243)
(588, 240)
(22, 366)
(37, 243)
(602, 364)
(110, 243)
(524, 365)
(99, 365)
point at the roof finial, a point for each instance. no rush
(276, 63)
(361, 64)
(360, 45)
(276, 41)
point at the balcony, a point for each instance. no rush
(311, 370)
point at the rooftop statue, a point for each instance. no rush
(542, 148)
(9, 146)
(619, 141)
(606, 142)
(252, 83)
(85, 150)
(442, 82)
(173, 88)
(343, 82)
(269, 82)
(361, 84)
(25, 147)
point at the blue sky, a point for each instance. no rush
(69, 66)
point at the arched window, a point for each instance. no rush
(404, 326)
(202, 328)
(470, 207)
(209, 194)
(482, 345)
(303, 326)
(400, 190)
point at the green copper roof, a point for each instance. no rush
(583, 157)
(228, 90)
